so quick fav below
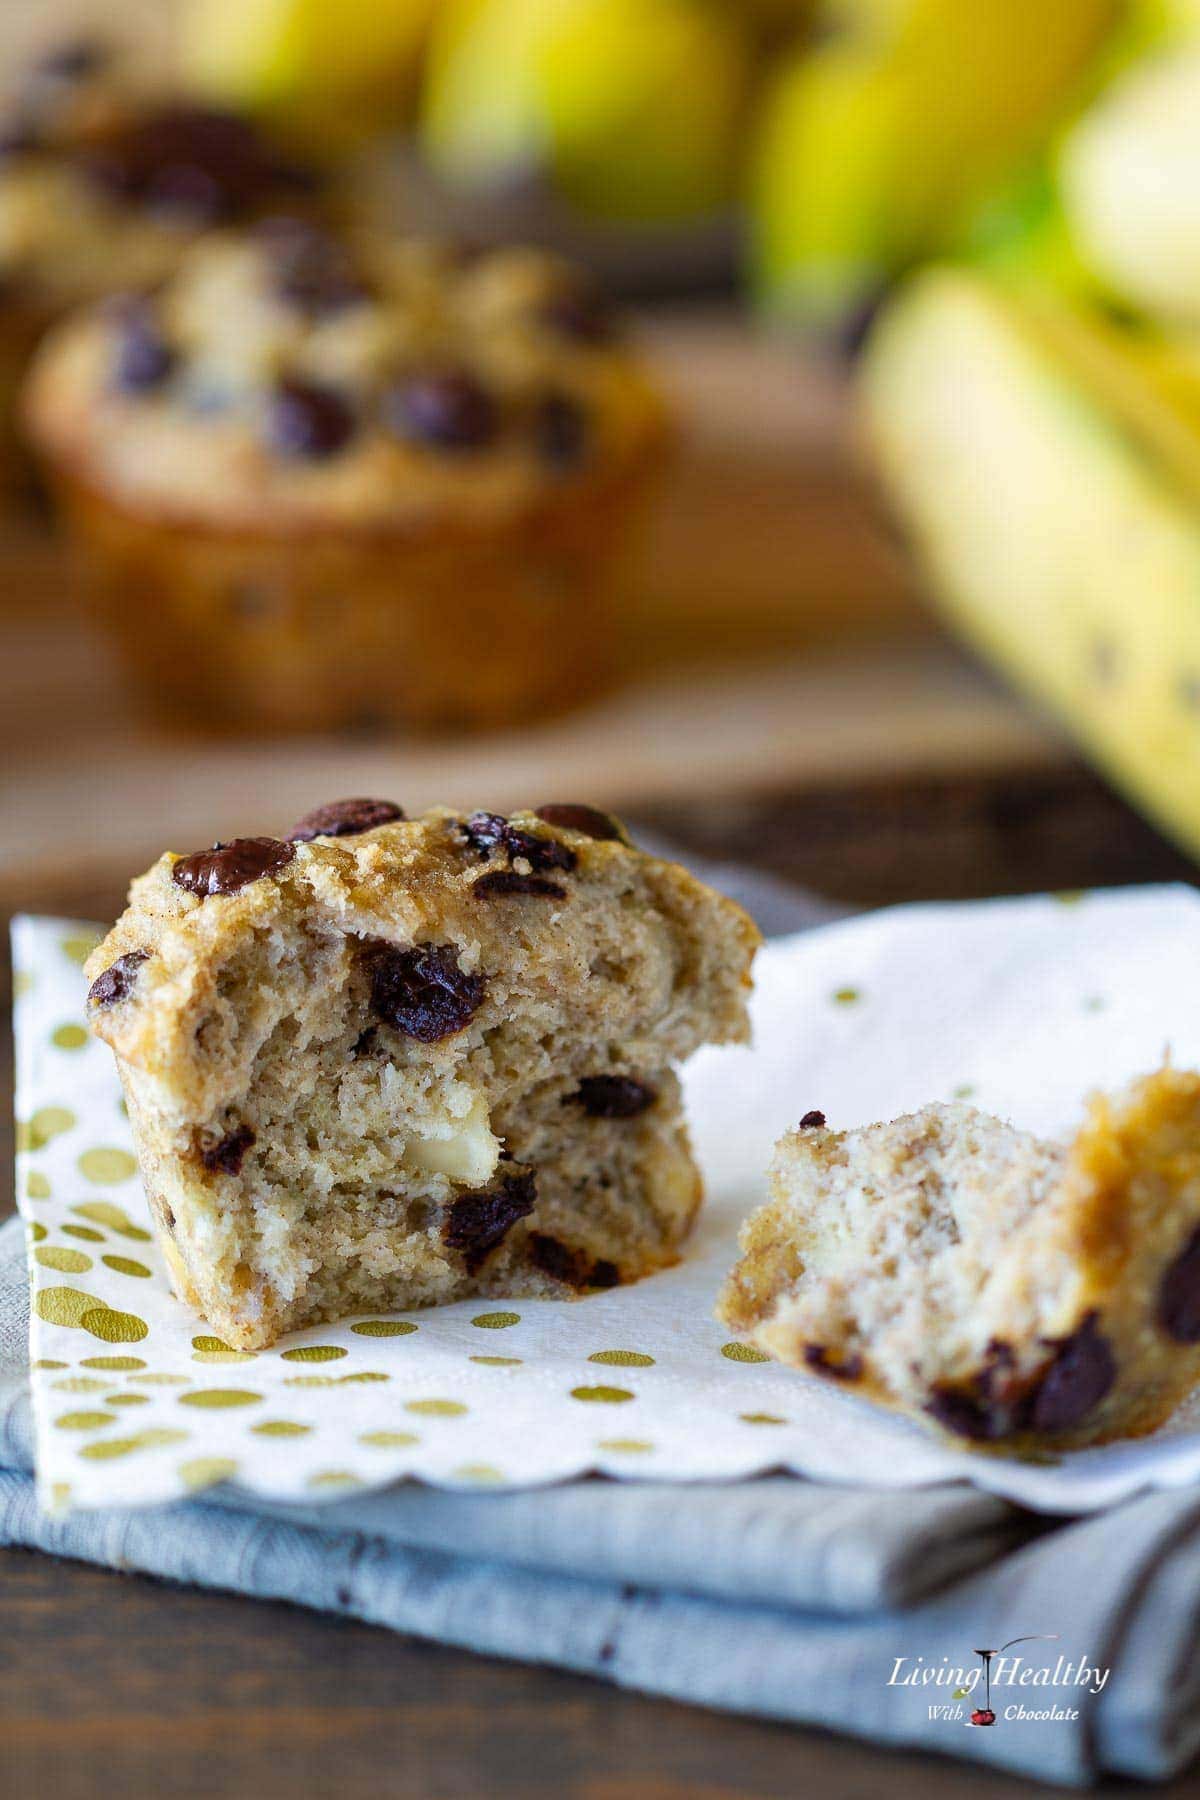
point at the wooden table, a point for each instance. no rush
(121, 1685)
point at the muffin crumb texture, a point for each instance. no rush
(363, 1075)
(1007, 1291)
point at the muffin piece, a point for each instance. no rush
(1010, 1291)
(104, 183)
(326, 481)
(388, 1062)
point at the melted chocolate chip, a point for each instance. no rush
(1057, 1397)
(193, 163)
(577, 1268)
(486, 832)
(964, 1414)
(813, 1121)
(477, 1223)
(613, 1096)
(1179, 1294)
(344, 818)
(307, 420)
(450, 411)
(1083, 1371)
(499, 883)
(422, 992)
(118, 980)
(589, 821)
(143, 359)
(227, 867)
(227, 1157)
(580, 313)
(561, 431)
(817, 1357)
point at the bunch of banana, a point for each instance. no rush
(325, 69)
(878, 140)
(1046, 465)
(629, 109)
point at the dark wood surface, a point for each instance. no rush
(110, 1684)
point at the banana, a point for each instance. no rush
(331, 68)
(875, 143)
(1129, 172)
(632, 109)
(1047, 467)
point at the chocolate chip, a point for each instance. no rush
(307, 420)
(344, 818)
(117, 981)
(817, 1357)
(1179, 1294)
(561, 431)
(422, 992)
(450, 411)
(477, 1223)
(486, 832)
(813, 1121)
(196, 164)
(143, 359)
(227, 1156)
(1083, 1371)
(1058, 1396)
(227, 867)
(589, 821)
(311, 270)
(613, 1096)
(499, 883)
(963, 1413)
(577, 1268)
(580, 313)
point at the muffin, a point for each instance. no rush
(328, 482)
(103, 184)
(1007, 1291)
(382, 1062)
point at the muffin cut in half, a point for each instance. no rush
(387, 1062)
(1010, 1291)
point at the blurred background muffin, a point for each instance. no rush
(105, 178)
(323, 483)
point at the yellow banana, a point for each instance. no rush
(1048, 471)
(332, 67)
(631, 109)
(875, 144)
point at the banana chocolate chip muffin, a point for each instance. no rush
(104, 182)
(1011, 1292)
(385, 1062)
(326, 482)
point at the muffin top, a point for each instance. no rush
(103, 183)
(290, 377)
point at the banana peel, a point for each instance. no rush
(1046, 466)
(876, 142)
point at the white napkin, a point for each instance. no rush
(1021, 1006)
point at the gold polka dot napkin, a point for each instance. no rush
(1021, 1006)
